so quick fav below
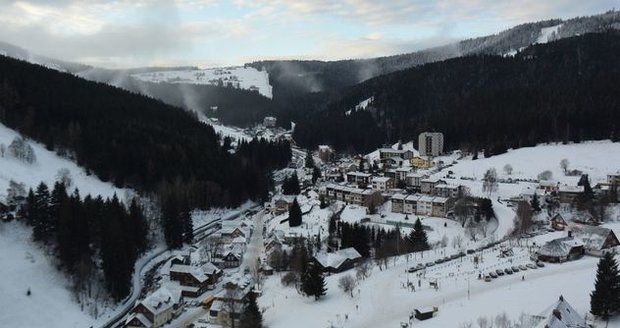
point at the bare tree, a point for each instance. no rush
(213, 245)
(483, 322)
(2, 149)
(362, 271)
(489, 184)
(508, 169)
(502, 321)
(564, 165)
(64, 176)
(14, 192)
(467, 324)
(524, 217)
(545, 175)
(21, 149)
(457, 242)
(347, 284)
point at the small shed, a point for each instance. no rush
(424, 313)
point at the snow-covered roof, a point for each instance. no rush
(196, 272)
(426, 198)
(570, 189)
(592, 236)
(440, 199)
(399, 196)
(413, 197)
(381, 179)
(563, 315)
(559, 247)
(140, 317)
(360, 174)
(162, 299)
(336, 259)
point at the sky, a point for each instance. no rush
(207, 33)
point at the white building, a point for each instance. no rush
(430, 143)
(382, 183)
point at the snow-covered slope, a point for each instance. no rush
(247, 78)
(548, 33)
(46, 169)
(25, 266)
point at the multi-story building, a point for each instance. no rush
(398, 202)
(427, 186)
(445, 190)
(414, 181)
(351, 195)
(410, 205)
(430, 143)
(424, 205)
(382, 183)
(359, 178)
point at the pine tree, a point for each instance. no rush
(317, 281)
(605, 298)
(43, 223)
(251, 317)
(535, 203)
(316, 174)
(419, 240)
(309, 160)
(294, 214)
(138, 225)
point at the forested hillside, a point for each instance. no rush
(128, 139)
(568, 90)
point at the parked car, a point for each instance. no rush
(493, 274)
(420, 266)
(438, 261)
(487, 278)
(540, 264)
(470, 251)
(531, 266)
(430, 264)
(499, 272)
(508, 270)
(412, 269)
(522, 267)
(515, 268)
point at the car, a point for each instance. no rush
(531, 266)
(412, 269)
(499, 272)
(461, 254)
(454, 256)
(508, 271)
(493, 274)
(487, 278)
(470, 251)
(430, 264)
(515, 268)
(420, 266)
(540, 264)
(522, 267)
(446, 259)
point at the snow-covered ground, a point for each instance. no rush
(247, 78)
(46, 169)
(24, 266)
(547, 33)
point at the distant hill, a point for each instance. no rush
(567, 90)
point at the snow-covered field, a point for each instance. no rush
(24, 266)
(247, 78)
(46, 169)
(547, 33)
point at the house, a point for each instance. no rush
(424, 313)
(427, 186)
(397, 202)
(548, 186)
(430, 143)
(231, 259)
(562, 315)
(281, 203)
(561, 250)
(156, 309)
(448, 191)
(558, 222)
(194, 280)
(613, 178)
(229, 304)
(326, 154)
(230, 233)
(382, 183)
(421, 163)
(568, 194)
(338, 261)
(270, 122)
(597, 240)
(359, 178)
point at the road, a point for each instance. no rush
(146, 263)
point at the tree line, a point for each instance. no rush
(88, 235)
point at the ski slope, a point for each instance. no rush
(46, 169)
(247, 78)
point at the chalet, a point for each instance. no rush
(382, 183)
(558, 222)
(156, 309)
(229, 304)
(562, 315)
(338, 261)
(397, 202)
(568, 194)
(547, 186)
(561, 250)
(282, 203)
(597, 240)
(231, 259)
(230, 233)
(273, 243)
(194, 280)
(359, 178)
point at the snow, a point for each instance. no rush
(46, 169)
(547, 33)
(362, 105)
(25, 265)
(247, 78)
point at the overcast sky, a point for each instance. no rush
(126, 33)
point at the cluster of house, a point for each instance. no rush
(581, 239)
(228, 305)
(567, 194)
(233, 238)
